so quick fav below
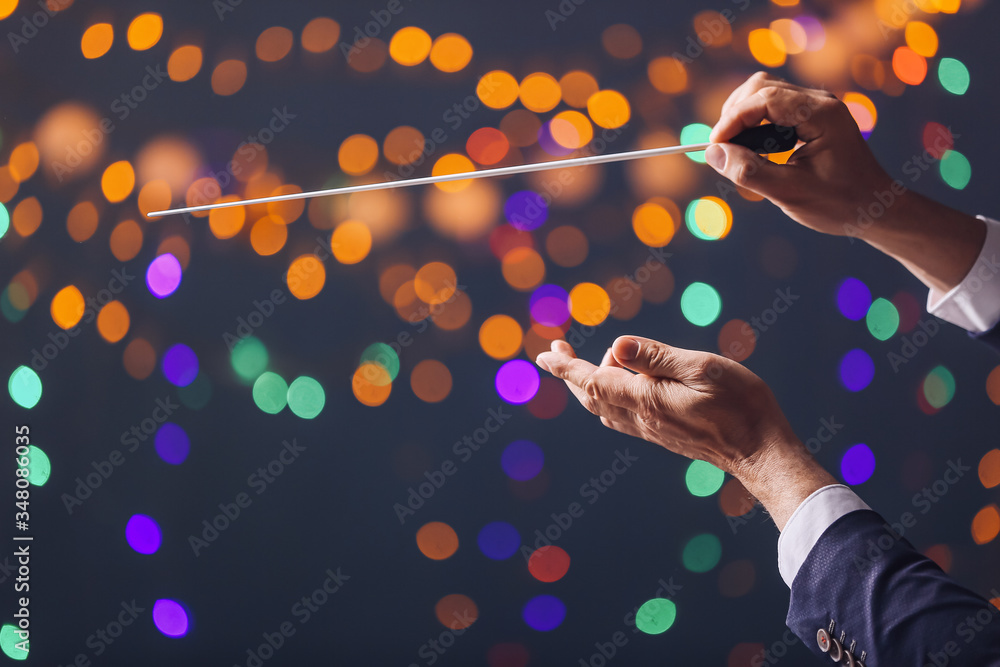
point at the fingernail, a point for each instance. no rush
(628, 349)
(716, 157)
(541, 363)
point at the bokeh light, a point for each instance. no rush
(548, 563)
(437, 540)
(858, 464)
(145, 31)
(522, 460)
(986, 524)
(656, 616)
(67, 307)
(702, 553)
(955, 169)
(270, 393)
(306, 397)
(854, 299)
(456, 611)
(170, 618)
(939, 387)
(180, 365)
(248, 357)
(172, 443)
(498, 540)
(143, 534)
(544, 613)
(882, 319)
(517, 381)
(163, 276)
(701, 304)
(589, 304)
(40, 467)
(954, 76)
(856, 370)
(703, 479)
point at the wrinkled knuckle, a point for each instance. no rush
(592, 387)
(761, 75)
(769, 92)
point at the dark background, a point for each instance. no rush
(334, 506)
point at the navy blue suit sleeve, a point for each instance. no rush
(898, 605)
(991, 337)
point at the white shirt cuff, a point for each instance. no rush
(974, 304)
(809, 521)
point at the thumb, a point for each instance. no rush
(649, 357)
(747, 169)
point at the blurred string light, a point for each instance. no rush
(270, 393)
(25, 387)
(701, 304)
(12, 644)
(939, 387)
(854, 299)
(180, 365)
(953, 75)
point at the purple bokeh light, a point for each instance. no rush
(172, 443)
(517, 381)
(526, 210)
(549, 305)
(499, 540)
(522, 460)
(549, 143)
(856, 370)
(163, 276)
(180, 365)
(544, 613)
(858, 464)
(853, 299)
(170, 618)
(143, 534)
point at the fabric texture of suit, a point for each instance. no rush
(898, 606)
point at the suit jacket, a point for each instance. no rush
(898, 606)
(991, 337)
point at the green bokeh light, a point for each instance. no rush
(656, 616)
(953, 75)
(701, 304)
(197, 394)
(39, 466)
(25, 387)
(306, 397)
(4, 221)
(703, 479)
(11, 312)
(270, 393)
(249, 359)
(939, 387)
(882, 319)
(695, 133)
(702, 552)
(691, 221)
(955, 169)
(384, 356)
(9, 641)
